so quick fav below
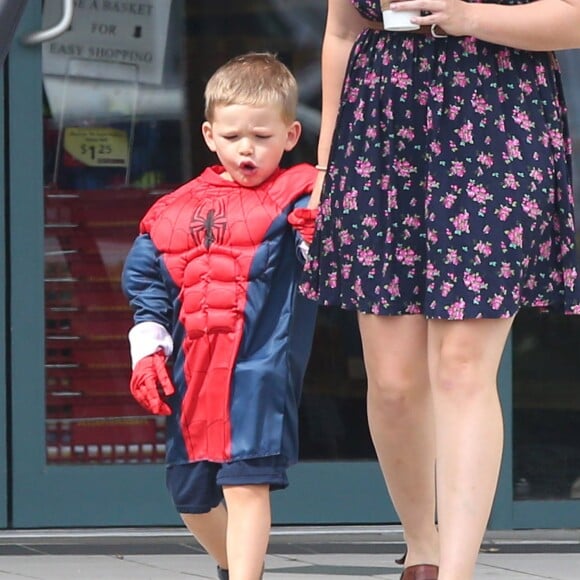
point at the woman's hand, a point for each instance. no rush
(454, 17)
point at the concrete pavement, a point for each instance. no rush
(336, 553)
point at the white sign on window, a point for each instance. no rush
(108, 31)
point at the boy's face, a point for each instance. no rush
(249, 141)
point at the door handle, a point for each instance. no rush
(55, 31)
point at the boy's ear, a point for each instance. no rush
(207, 132)
(294, 132)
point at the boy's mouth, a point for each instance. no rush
(247, 166)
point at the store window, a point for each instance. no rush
(546, 366)
(123, 110)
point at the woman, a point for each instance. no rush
(446, 206)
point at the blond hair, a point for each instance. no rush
(255, 79)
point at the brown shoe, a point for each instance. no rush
(420, 572)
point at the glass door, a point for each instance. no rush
(103, 118)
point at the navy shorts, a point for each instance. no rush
(196, 488)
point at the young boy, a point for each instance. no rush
(212, 281)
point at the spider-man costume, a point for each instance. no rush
(216, 265)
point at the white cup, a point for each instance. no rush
(400, 21)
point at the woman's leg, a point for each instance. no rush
(249, 523)
(210, 531)
(463, 361)
(400, 415)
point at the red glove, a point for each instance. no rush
(150, 381)
(303, 220)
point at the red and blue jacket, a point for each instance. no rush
(217, 265)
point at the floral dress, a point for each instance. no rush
(448, 192)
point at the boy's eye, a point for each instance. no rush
(230, 137)
(263, 136)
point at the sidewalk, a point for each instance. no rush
(295, 554)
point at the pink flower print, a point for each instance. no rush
(479, 104)
(570, 276)
(483, 248)
(512, 150)
(332, 281)
(350, 200)
(557, 139)
(345, 271)
(523, 119)
(473, 281)
(406, 133)
(465, 132)
(435, 147)
(424, 64)
(432, 236)
(525, 87)
(359, 111)
(515, 236)
(431, 272)
(412, 221)
(406, 256)
(357, 287)
(366, 256)
(371, 132)
(385, 180)
(485, 159)
(371, 79)
(448, 200)
(531, 207)
(370, 221)
(364, 167)
(431, 183)
(327, 245)
(506, 271)
(437, 93)
(478, 193)
(387, 57)
(403, 168)
(452, 257)
(541, 75)
(400, 79)
(469, 45)
(510, 181)
(393, 287)
(545, 249)
(456, 309)
(353, 93)
(457, 168)
(459, 79)
(392, 198)
(496, 301)
(453, 112)
(503, 212)
(345, 237)
(484, 70)
(531, 283)
(461, 222)
(503, 60)
(422, 97)
(537, 174)
(413, 309)
(446, 287)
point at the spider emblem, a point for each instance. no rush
(208, 225)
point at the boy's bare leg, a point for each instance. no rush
(210, 531)
(249, 522)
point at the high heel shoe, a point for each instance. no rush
(402, 559)
(420, 572)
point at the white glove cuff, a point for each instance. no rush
(147, 338)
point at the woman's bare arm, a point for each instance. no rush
(343, 25)
(538, 25)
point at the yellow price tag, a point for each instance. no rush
(97, 146)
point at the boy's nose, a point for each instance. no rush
(246, 146)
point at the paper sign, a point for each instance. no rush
(128, 33)
(97, 146)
